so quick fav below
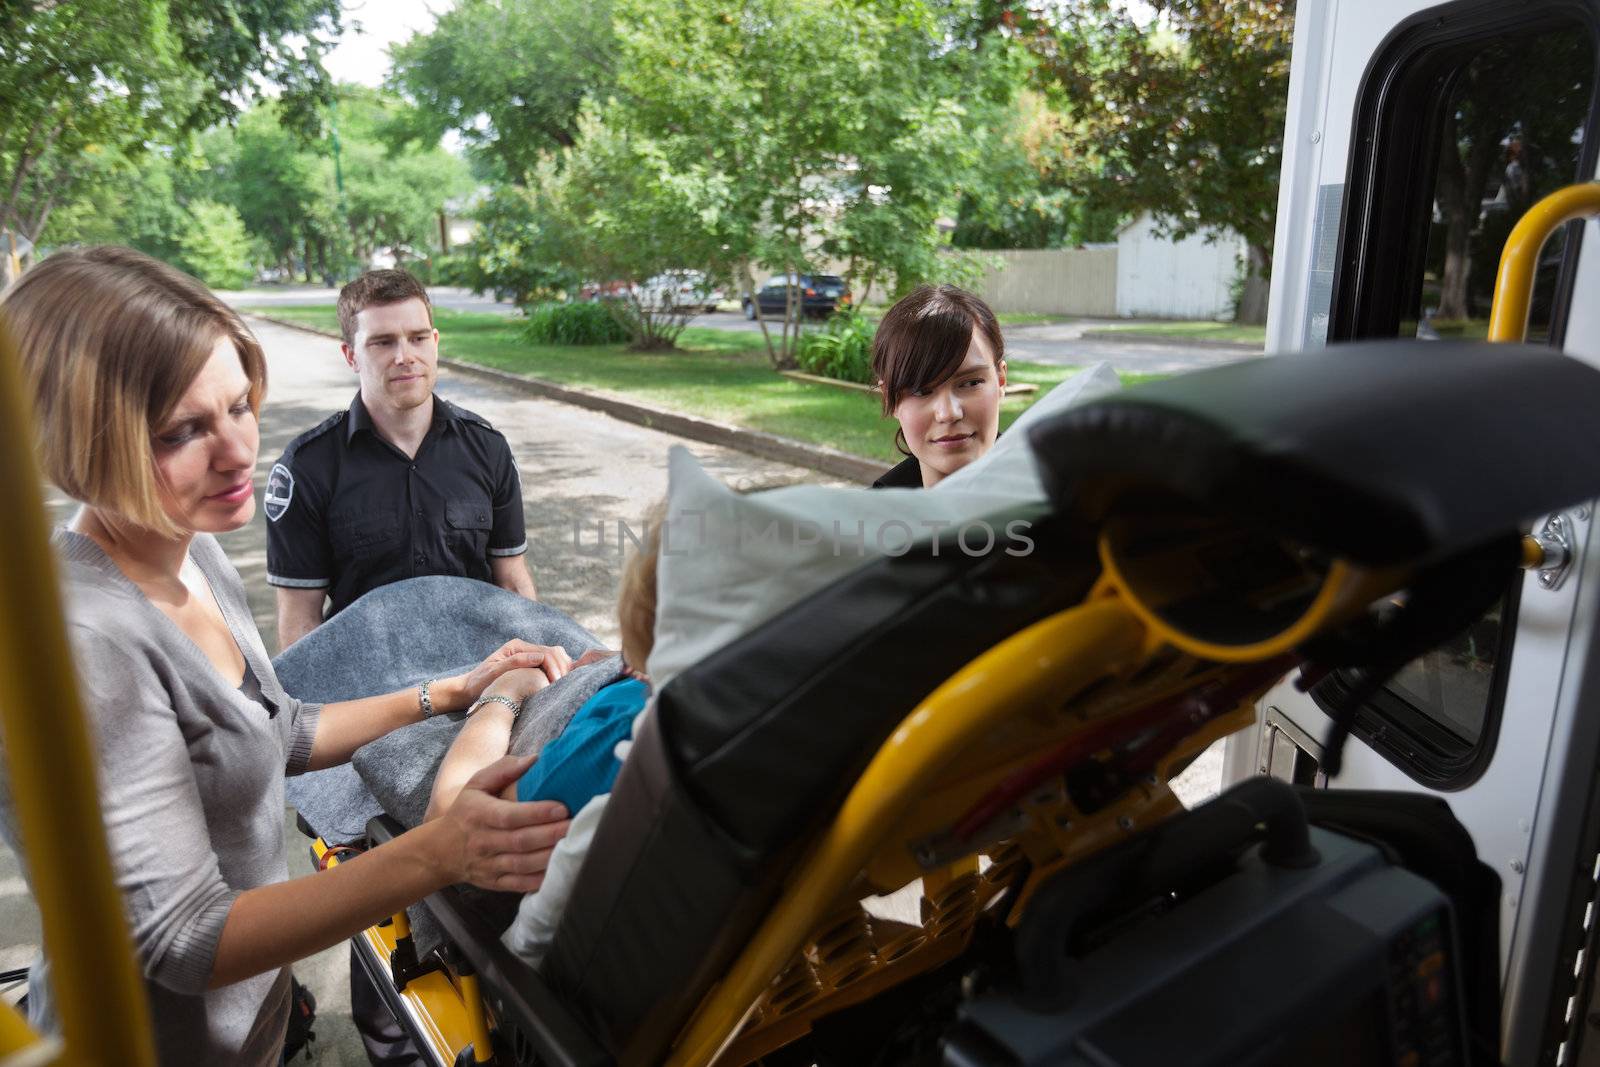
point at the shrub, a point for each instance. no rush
(216, 247)
(586, 323)
(842, 349)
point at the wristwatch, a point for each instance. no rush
(496, 698)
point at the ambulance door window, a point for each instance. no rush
(1465, 120)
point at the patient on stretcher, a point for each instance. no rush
(578, 767)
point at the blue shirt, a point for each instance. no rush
(581, 764)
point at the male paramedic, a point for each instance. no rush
(399, 485)
(402, 484)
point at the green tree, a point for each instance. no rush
(1026, 201)
(215, 246)
(393, 194)
(282, 187)
(286, 189)
(614, 208)
(93, 81)
(1507, 136)
(1181, 115)
(510, 254)
(509, 76)
(798, 133)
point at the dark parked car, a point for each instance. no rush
(819, 294)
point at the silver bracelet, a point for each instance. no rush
(514, 705)
(426, 700)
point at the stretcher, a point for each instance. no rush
(986, 724)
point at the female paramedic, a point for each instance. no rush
(146, 390)
(940, 364)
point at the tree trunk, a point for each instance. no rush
(35, 230)
(793, 312)
(1457, 265)
(1253, 301)
(747, 279)
(1461, 184)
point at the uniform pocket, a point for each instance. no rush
(467, 526)
(468, 515)
(365, 532)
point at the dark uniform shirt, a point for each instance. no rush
(349, 511)
(907, 474)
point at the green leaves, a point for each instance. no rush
(842, 349)
(508, 75)
(89, 79)
(215, 247)
(1181, 115)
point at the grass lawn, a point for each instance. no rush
(717, 374)
(1452, 329)
(1199, 330)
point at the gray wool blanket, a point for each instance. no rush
(394, 637)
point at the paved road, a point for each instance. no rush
(445, 296)
(1057, 342)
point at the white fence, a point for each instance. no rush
(1075, 281)
(1141, 276)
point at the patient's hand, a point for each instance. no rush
(595, 655)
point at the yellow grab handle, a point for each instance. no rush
(100, 995)
(1513, 285)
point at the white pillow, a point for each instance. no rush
(730, 562)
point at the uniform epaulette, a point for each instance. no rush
(472, 417)
(315, 432)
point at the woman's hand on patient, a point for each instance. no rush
(494, 843)
(551, 660)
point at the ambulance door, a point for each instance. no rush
(1416, 137)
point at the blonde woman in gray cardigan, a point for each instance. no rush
(146, 390)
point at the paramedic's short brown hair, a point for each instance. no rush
(923, 339)
(376, 288)
(109, 341)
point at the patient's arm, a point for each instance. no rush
(482, 740)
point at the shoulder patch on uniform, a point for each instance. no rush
(280, 491)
